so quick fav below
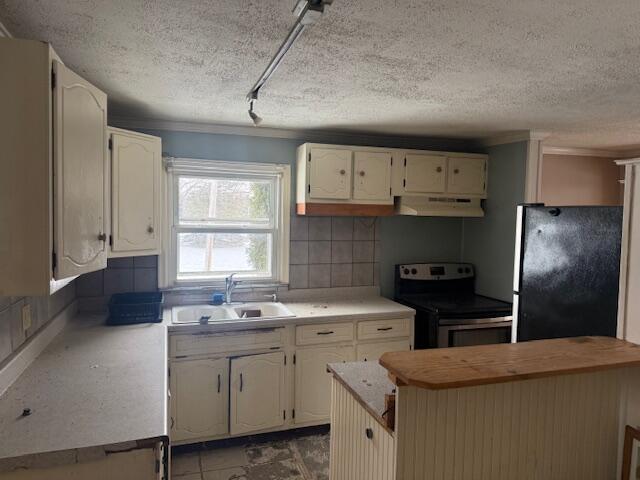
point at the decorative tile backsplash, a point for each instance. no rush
(333, 252)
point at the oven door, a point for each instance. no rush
(467, 332)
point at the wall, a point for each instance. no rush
(580, 180)
(489, 242)
(43, 309)
(343, 261)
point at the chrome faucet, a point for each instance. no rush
(230, 284)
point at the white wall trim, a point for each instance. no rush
(515, 137)
(21, 361)
(533, 178)
(4, 32)
(320, 136)
(588, 152)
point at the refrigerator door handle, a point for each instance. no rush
(517, 259)
(514, 322)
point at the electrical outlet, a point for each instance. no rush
(26, 317)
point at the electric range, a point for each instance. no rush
(448, 311)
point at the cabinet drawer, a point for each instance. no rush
(204, 343)
(371, 329)
(324, 333)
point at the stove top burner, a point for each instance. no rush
(456, 304)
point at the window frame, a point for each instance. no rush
(279, 174)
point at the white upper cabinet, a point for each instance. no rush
(466, 175)
(330, 174)
(372, 176)
(80, 159)
(136, 163)
(425, 173)
(257, 392)
(199, 398)
(54, 201)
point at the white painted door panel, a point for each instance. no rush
(313, 383)
(372, 176)
(200, 398)
(425, 174)
(257, 392)
(371, 352)
(466, 175)
(80, 161)
(330, 174)
(136, 164)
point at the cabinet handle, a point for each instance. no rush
(439, 169)
(219, 383)
(149, 229)
(325, 333)
(456, 171)
(102, 237)
(342, 172)
(369, 433)
(362, 173)
(241, 382)
(173, 422)
(385, 329)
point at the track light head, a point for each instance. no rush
(254, 116)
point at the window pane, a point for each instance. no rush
(202, 255)
(224, 201)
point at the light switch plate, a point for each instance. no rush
(26, 317)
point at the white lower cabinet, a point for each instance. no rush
(313, 383)
(200, 398)
(371, 352)
(257, 392)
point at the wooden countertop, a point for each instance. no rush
(486, 364)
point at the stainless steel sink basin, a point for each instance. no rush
(204, 314)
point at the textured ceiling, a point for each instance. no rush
(412, 67)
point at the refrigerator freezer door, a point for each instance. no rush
(569, 273)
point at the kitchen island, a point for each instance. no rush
(547, 409)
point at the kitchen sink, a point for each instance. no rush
(202, 314)
(210, 314)
(263, 310)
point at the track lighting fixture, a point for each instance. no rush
(307, 13)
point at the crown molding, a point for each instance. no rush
(515, 137)
(4, 32)
(589, 152)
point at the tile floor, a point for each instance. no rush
(293, 455)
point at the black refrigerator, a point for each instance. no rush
(567, 268)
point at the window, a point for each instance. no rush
(227, 218)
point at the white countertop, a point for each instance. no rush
(97, 388)
(320, 310)
(93, 386)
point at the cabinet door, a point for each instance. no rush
(330, 174)
(313, 383)
(371, 352)
(372, 176)
(466, 175)
(80, 161)
(199, 398)
(424, 174)
(257, 392)
(135, 172)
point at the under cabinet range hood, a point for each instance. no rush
(426, 206)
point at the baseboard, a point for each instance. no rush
(34, 347)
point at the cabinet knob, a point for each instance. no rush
(456, 171)
(362, 173)
(369, 433)
(439, 169)
(102, 237)
(342, 172)
(150, 229)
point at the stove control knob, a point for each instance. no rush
(460, 270)
(467, 270)
(406, 271)
(414, 271)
